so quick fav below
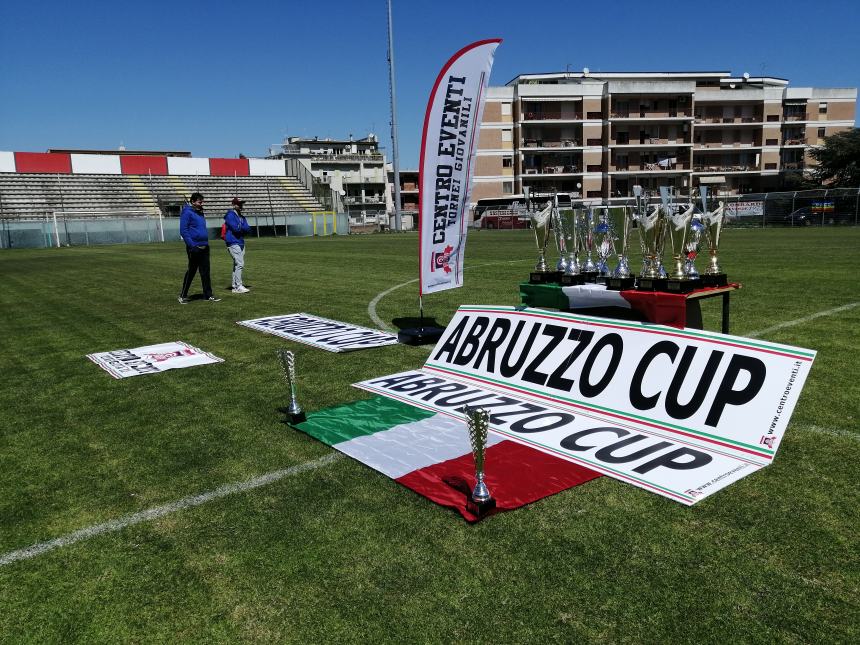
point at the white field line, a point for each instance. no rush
(830, 432)
(160, 511)
(371, 307)
(800, 321)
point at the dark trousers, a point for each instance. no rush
(198, 259)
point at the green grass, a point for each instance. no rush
(341, 553)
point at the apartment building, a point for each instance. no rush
(355, 168)
(408, 197)
(596, 135)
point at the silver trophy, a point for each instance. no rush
(478, 421)
(541, 225)
(604, 233)
(288, 366)
(651, 227)
(694, 240)
(558, 235)
(621, 219)
(587, 224)
(713, 222)
(569, 224)
(692, 247)
(678, 233)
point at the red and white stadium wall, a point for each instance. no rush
(84, 164)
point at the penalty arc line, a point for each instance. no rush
(166, 509)
(371, 307)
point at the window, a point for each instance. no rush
(507, 162)
(506, 109)
(822, 108)
(507, 135)
(507, 188)
(821, 132)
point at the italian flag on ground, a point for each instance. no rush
(430, 454)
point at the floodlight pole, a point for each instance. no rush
(394, 154)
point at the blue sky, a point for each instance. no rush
(220, 79)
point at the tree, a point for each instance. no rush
(838, 160)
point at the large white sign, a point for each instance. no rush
(626, 451)
(151, 359)
(679, 412)
(330, 335)
(448, 147)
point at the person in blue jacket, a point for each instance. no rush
(192, 228)
(234, 236)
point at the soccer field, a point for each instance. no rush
(290, 541)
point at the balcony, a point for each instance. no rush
(650, 167)
(719, 145)
(729, 168)
(350, 158)
(358, 199)
(553, 170)
(648, 142)
(792, 165)
(728, 120)
(551, 116)
(541, 143)
(653, 115)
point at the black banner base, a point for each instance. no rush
(651, 284)
(621, 284)
(480, 508)
(572, 280)
(590, 276)
(539, 277)
(420, 335)
(292, 419)
(674, 285)
(715, 279)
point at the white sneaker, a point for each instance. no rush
(240, 290)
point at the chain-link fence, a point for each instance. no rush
(835, 207)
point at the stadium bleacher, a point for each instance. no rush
(33, 194)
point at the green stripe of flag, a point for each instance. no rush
(359, 418)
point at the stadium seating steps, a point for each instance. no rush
(23, 194)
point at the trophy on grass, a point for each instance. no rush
(652, 228)
(288, 366)
(713, 222)
(678, 232)
(541, 225)
(478, 421)
(620, 218)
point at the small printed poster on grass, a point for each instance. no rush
(122, 363)
(330, 335)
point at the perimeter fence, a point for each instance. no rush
(834, 207)
(89, 228)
